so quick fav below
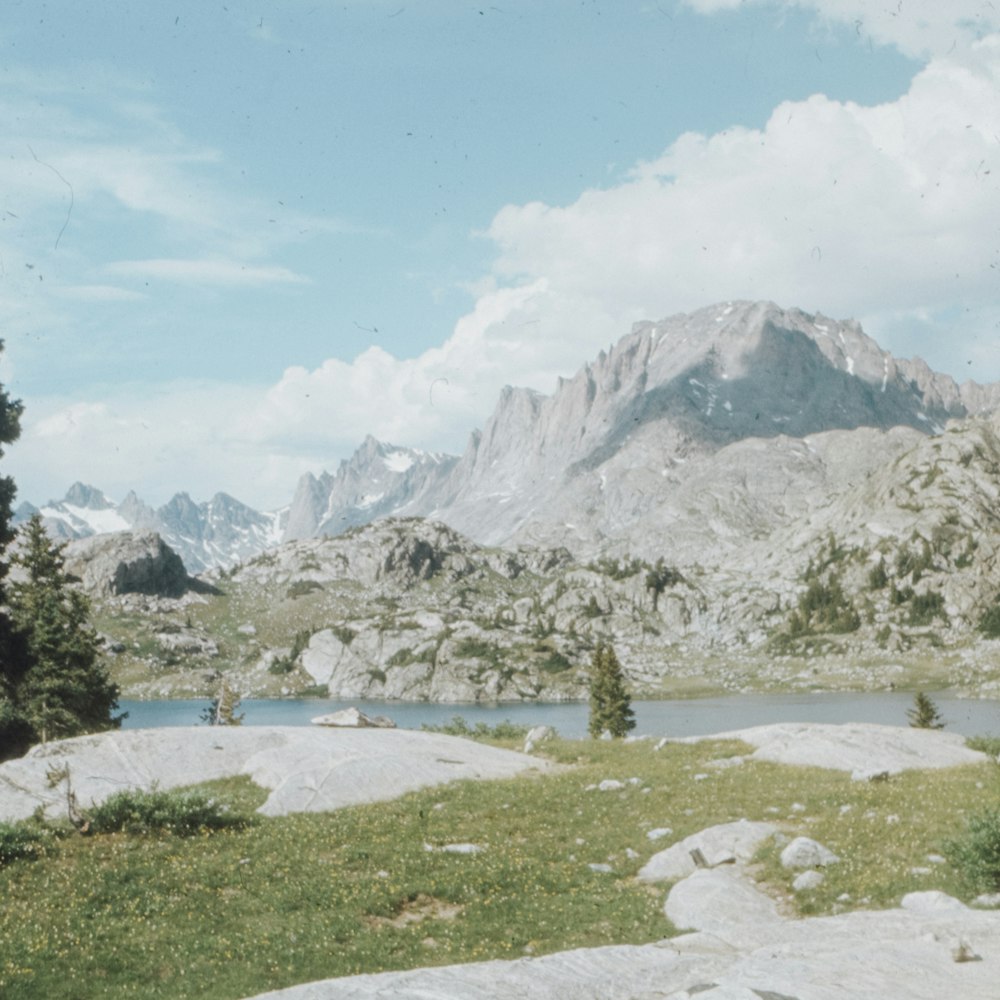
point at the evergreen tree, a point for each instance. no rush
(658, 578)
(924, 714)
(610, 705)
(64, 689)
(222, 709)
(15, 733)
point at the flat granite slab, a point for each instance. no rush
(741, 948)
(306, 770)
(864, 749)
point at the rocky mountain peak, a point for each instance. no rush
(87, 497)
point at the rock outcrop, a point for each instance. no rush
(863, 749)
(739, 947)
(123, 563)
(305, 769)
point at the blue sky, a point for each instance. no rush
(236, 239)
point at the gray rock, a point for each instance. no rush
(851, 746)
(353, 718)
(124, 563)
(808, 880)
(803, 852)
(537, 735)
(741, 948)
(720, 844)
(305, 770)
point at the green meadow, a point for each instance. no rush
(239, 911)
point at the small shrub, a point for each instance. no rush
(985, 744)
(555, 663)
(286, 664)
(989, 624)
(402, 657)
(300, 588)
(459, 726)
(924, 608)
(976, 853)
(345, 634)
(878, 578)
(183, 813)
(19, 841)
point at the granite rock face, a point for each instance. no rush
(853, 746)
(306, 769)
(729, 397)
(125, 563)
(740, 947)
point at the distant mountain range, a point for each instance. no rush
(218, 533)
(692, 436)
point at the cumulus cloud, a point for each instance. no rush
(856, 211)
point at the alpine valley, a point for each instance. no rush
(741, 498)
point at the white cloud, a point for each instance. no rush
(916, 27)
(206, 272)
(853, 210)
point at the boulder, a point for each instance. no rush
(804, 852)
(536, 735)
(722, 844)
(808, 880)
(353, 718)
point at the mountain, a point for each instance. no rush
(378, 480)
(218, 533)
(693, 431)
(697, 434)
(740, 498)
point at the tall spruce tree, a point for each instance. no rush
(15, 733)
(610, 705)
(64, 689)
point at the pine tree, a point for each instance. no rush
(222, 709)
(610, 705)
(658, 578)
(15, 733)
(64, 690)
(924, 714)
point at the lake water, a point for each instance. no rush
(655, 718)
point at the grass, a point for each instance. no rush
(288, 900)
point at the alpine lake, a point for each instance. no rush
(681, 717)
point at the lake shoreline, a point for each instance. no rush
(679, 717)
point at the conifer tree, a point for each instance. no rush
(64, 689)
(222, 711)
(610, 705)
(924, 714)
(15, 733)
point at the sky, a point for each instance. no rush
(236, 238)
